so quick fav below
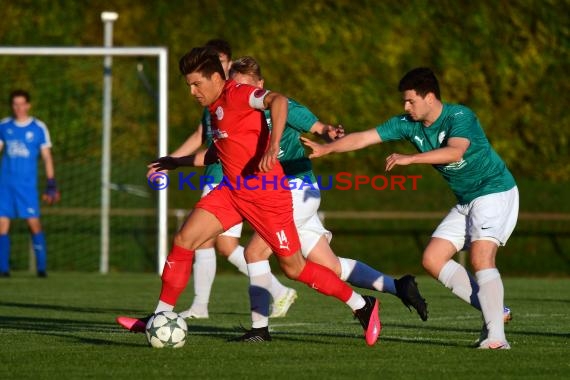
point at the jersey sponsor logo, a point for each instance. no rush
(441, 136)
(458, 113)
(9, 131)
(17, 149)
(455, 165)
(421, 141)
(259, 93)
(283, 241)
(220, 113)
(29, 136)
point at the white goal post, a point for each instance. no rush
(162, 54)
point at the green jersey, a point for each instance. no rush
(212, 170)
(479, 172)
(291, 151)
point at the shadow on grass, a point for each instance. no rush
(69, 308)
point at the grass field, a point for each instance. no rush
(63, 327)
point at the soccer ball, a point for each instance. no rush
(166, 329)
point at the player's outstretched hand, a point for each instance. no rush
(318, 150)
(164, 163)
(335, 133)
(268, 160)
(51, 194)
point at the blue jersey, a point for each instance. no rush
(21, 145)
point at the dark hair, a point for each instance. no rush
(203, 60)
(247, 66)
(18, 93)
(220, 46)
(422, 80)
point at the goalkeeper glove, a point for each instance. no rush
(51, 194)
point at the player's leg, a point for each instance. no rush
(4, 246)
(210, 217)
(492, 220)
(39, 245)
(204, 271)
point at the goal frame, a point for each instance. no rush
(162, 54)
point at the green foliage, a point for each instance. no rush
(507, 61)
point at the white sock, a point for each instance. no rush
(204, 273)
(455, 277)
(238, 259)
(259, 296)
(491, 294)
(356, 301)
(277, 289)
(163, 306)
(346, 267)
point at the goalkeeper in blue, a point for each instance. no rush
(450, 138)
(22, 139)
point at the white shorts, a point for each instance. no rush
(489, 217)
(306, 202)
(234, 231)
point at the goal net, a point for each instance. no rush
(67, 95)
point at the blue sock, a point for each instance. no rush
(39, 242)
(364, 276)
(4, 253)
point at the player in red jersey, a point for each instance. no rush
(252, 189)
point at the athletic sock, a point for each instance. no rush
(259, 297)
(204, 273)
(4, 253)
(455, 277)
(176, 273)
(40, 250)
(491, 297)
(363, 276)
(238, 260)
(325, 281)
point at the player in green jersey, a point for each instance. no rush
(451, 139)
(306, 200)
(226, 244)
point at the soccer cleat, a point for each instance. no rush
(136, 325)
(281, 306)
(369, 319)
(194, 314)
(255, 335)
(4, 274)
(507, 315)
(487, 344)
(407, 290)
(42, 274)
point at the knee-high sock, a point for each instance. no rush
(4, 253)
(40, 250)
(491, 297)
(325, 281)
(259, 297)
(204, 273)
(176, 273)
(455, 277)
(363, 276)
(238, 260)
(277, 289)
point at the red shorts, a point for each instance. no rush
(270, 213)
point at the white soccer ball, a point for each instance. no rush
(166, 329)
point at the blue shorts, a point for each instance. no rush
(19, 201)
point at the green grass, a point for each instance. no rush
(63, 327)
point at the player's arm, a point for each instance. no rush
(51, 194)
(453, 152)
(350, 142)
(278, 106)
(202, 157)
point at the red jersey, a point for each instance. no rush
(241, 137)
